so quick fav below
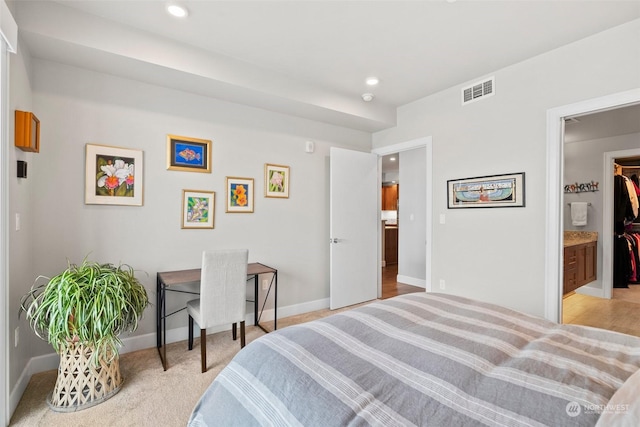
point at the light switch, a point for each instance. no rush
(442, 220)
(17, 222)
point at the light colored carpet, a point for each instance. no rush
(149, 395)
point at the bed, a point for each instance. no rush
(428, 359)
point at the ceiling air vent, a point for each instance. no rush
(478, 91)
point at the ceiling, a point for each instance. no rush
(620, 121)
(309, 58)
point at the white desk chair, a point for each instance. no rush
(223, 294)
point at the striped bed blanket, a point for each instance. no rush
(423, 359)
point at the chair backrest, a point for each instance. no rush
(223, 287)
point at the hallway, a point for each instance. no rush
(392, 288)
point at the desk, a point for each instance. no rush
(168, 279)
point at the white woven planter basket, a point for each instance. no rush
(81, 383)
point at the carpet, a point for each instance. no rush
(149, 396)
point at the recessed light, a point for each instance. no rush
(372, 81)
(393, 159)
(367, 97)
(177, 10)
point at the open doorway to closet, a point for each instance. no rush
(593, 144)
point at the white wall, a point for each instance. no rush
(584, 162)
(77, 107)
(413, 209)
(22, 243)
(498, 254)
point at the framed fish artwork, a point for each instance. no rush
(188, 154)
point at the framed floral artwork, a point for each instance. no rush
(188, 154)
(239, 195)
(198, 209)
(113, 176)
(276, 181)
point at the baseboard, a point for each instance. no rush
(35, 365)
(421, 283)
(591, 291)
(50, 361)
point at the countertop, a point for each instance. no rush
(572, 238)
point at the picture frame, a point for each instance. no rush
(239, 195)
(198, 209)
(188, 154)
(113, 175)
(492, 191)
(276, 181)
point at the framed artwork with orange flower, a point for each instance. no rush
(276, 181)
(239, 195)
(113, 176)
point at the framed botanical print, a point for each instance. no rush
(198, 209)
(113, 176)
(239, 195)
(276, 181)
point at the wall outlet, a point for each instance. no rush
(265, 284)
(442, 285)
(16, 336)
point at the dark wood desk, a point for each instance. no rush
(168, 279)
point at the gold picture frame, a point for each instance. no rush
(276, 181)
(188, 154)
(239, 195)
(198, 209)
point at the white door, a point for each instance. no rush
(353, 223)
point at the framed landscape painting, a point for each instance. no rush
(276, 181)
(239, 195)
(113, 175)
(188, 154)
(198, 209)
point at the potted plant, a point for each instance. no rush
(81, 313)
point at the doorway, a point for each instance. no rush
(555, 158)
(593, 142)
(395, 278)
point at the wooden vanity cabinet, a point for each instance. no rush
(579, 265)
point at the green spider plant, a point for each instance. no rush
(88, 304)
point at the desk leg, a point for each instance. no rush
(161, 323)
(158, 314)
(255, 299)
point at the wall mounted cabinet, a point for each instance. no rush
(27, 131)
